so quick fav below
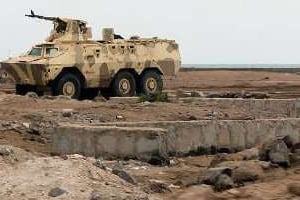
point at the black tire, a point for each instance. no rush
(69, 85)
(21, 90)
(156, 83)
(124, 84)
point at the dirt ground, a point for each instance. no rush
(24, 122)
(277, 84)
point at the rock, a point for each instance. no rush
(55, 192)
(294, 188)
(279, 154)
(183, 94)
(26, 125)
(219, 177)
(95, 196)
(158, 186)
(197, 94)
(32, 95)
(265, 165)
(275, 151)
(100, 164)
(5, 151)
(249, 154)
(244, 171)
(117, 170)
(119, 117)
(223, 182)
(67, 112)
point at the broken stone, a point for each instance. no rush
(67, 112)
(119, 117)
(219, 177)
(244, 171)
(158, 186)
(100, 164)
(117, 170)
(197, 94)
(5, 151)
(95, 196)
(55, 192)
(275, 151)
(32, 95)
(279, 154)
(249, 154)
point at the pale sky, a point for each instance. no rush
(208, 31)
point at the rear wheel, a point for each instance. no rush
(68, 85)
(124, 84)
(150, 83)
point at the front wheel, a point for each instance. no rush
(150, 83)
(68, 85)
(124, 84)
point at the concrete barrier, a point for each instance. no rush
(109, 142)
(143, 140)
(184, 137)
(258, 108)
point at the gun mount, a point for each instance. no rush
(65, 29)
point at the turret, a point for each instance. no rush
(66, 29)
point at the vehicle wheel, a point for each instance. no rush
(21, 89)
(68, 85)
(151, 83)
(124, 85)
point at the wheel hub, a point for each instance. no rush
(69, 89)
(124, 86)
(151, 84)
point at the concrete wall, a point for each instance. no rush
(146, 139)
(109, 142)
(197, 136)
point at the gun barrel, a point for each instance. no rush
(32, 15)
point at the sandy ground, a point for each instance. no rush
(278, 85)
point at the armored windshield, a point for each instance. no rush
(36, 51)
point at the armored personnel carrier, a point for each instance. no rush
(69, 62)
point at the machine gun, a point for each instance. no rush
(53, 19)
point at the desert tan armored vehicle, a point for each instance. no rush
(70, 62)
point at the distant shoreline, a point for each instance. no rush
(242, 67)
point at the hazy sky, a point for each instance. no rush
(208, 31)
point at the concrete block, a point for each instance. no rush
(124, 100)
(110, 142)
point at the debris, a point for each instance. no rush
(32, 95)
(55, 192)
(95, 196)
(275, 151)
(158, 186)
(100, 164)
(219, 177)
(5, 151)
(67, 112)
(244, 171)
(119, 117)
(117, 170)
